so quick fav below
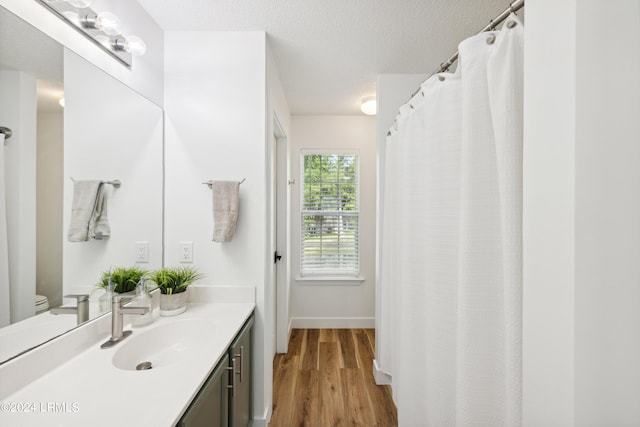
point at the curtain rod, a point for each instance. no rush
(513, 8)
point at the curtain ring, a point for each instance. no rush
(511, 24)
(441, 78)
(511, 8)
(491, 39)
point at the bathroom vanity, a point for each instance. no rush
(195, 360)
(225, 398)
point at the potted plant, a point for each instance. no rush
(173, 283)
(123, 279)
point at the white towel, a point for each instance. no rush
(225, 210)
(88, 212)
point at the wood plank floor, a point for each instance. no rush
(326, 379)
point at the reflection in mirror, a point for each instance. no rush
(111, 133)
(105, 131)
(31, 85)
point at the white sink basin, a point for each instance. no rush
(162, 346)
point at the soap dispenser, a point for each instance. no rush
(105, 299)
(142, 299)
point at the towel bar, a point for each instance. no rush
(6, 131)
(210, 183)
(116, 182)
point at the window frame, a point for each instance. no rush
(311, 276)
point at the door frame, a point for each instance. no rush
(282, 223)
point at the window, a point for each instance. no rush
(329, 235)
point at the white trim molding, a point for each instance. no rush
(381, 377)
(333, 322)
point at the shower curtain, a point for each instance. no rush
(451, 273)
(5, 312)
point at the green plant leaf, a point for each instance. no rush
(124, 279)
(175, 280)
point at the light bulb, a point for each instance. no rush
(61, 102)
(80, 4)
(369, 106)
(135, 46)
(108, 23)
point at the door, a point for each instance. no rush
(211, 405)
(274, 240)
(240, 356)
(281, 237)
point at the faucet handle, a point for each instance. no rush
(79, 297)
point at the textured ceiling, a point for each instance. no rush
(329, 52)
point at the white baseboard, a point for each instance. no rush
(381, 378)
(333, 322)
(262, 422)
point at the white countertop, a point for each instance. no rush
(21, 336)
(88, 390)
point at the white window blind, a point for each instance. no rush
(330, 203)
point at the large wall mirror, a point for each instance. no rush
(105, 131)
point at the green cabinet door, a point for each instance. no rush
(210, 407)
(241, 359)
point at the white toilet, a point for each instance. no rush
(42, 304)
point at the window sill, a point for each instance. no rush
(331, 280)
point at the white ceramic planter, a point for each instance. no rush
(172, 305)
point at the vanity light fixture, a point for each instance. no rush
(102, 28)
(369, 105)
(106, 22)
(131, 44)
(81, 4)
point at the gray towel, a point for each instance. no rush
(101, 228)
(88, 212)
(225, 210)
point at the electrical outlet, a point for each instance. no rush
(142, 252)
(186, 252)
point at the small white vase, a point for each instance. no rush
(172, 305)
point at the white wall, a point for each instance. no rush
(111, 132)
(336, 304)
(146, 74)
(49, 224)
(18, 112)
(581, 342)
(216, 128)
(548, 214)
(607, 225)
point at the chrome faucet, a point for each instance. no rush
(117, 310)
(81, 310)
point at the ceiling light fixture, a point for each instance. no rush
(103, 28)
(369, 105)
